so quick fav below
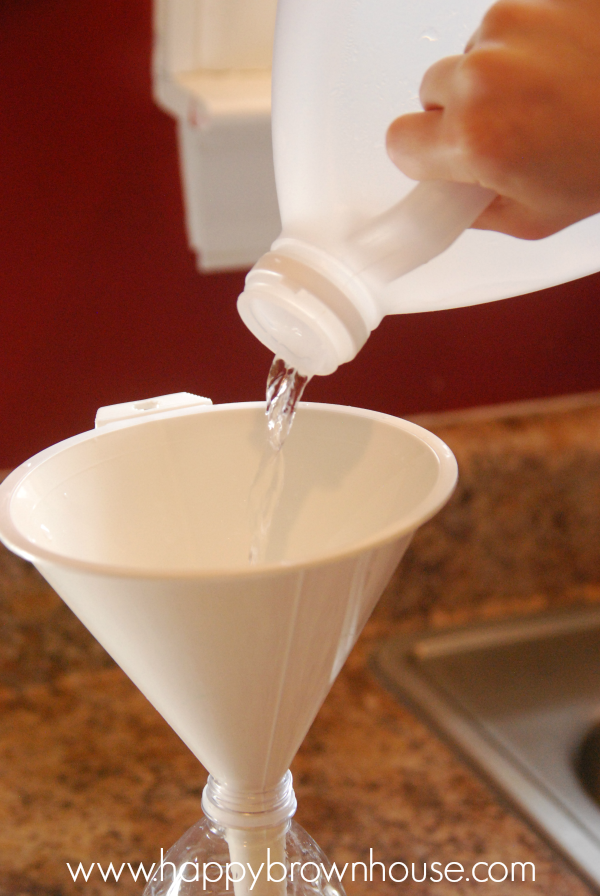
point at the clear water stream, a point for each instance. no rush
(284, 390)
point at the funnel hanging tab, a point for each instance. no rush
(130, 410)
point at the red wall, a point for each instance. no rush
(100, 301)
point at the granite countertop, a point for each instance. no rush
(89, 772)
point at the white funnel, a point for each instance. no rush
(143, 529)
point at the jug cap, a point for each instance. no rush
(302, 315)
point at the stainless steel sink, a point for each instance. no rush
(587, 763)
(520, 700)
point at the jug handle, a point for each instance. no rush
(419, 227)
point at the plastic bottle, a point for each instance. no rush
(356, 232)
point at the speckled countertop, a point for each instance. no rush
(90, 772)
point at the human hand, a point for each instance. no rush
(519, 113)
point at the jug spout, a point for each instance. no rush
(315, 306)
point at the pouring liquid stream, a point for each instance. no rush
(284, 390)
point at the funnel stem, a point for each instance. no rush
(258, 860)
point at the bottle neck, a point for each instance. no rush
(230, 807)
(308, 316)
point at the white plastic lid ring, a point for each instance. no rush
(301, 315)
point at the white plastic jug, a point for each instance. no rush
(343, 70)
